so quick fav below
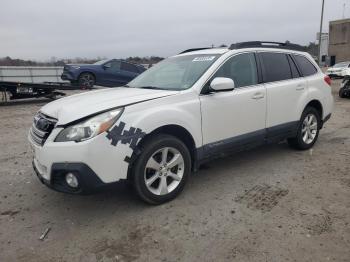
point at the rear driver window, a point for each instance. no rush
(305, 66)
(276, 67)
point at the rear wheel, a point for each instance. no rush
(162, 169)
(86, 80)
(308, 130)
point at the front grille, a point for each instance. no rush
(41, 128)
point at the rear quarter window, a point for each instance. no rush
(141, 69)
(305, 66)
(295, 72)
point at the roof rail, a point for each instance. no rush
(194, 49)
(267, 44)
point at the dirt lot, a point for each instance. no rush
(269, 204)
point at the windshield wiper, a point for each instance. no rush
(151, 87)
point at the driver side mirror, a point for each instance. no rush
(220, 84)
(106, 66)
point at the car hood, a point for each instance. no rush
(80, 65)
(75, 107)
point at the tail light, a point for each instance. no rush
(328, 80)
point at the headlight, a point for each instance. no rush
(89, 128)
(76, 67)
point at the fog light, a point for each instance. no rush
(72, 180)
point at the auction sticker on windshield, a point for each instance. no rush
(203, 58)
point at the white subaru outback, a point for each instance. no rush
(187, 109)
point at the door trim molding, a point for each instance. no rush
(246, 141)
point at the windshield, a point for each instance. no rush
(101, 62)
(344, 64)
(174, 73)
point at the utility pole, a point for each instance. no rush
(344, 8)
(320, 37)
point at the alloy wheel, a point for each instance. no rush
(309, 128)
(87, 80)
(164, 171)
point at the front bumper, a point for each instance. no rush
(95, 162)
(88, 180)
(68, 75)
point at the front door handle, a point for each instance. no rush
(257, 96)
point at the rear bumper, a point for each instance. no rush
(327, 117)
(88, 180)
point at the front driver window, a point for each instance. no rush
(113, 66)
(241, 69)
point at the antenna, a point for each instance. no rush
(344, 8)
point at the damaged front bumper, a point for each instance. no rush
(88, 181)
(95, 163)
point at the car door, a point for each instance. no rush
(285, 88)
(234, 119)
(128, 72)
(111, 75)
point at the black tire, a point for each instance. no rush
(298, 141)
(86, 80)
(139, 174)
(342, 92)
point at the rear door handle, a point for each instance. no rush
(300, 87)
(257, 96)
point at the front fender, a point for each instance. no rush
(87, 70)
(181, 109)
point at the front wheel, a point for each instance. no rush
(308, 130)
(162, 169)
(86, 80)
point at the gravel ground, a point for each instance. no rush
(268, 204)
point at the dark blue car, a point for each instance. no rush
(110, 73)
